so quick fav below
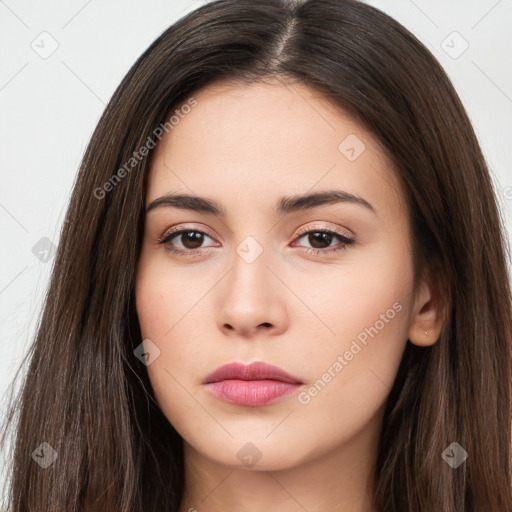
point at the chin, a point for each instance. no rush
(251, 452)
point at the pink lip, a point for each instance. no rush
(255, 384)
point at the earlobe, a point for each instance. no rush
(423, 338)
(427, 319)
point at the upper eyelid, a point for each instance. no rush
(339, 231)
(300, 233)
(174, 230)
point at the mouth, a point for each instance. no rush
(251, 385)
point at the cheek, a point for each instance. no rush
(355, 354)
(366, 297)
(162, 306)
(164, 296)
(168, 308)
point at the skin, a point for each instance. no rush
(246, 146)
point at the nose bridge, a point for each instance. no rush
(250, 297)
(250, 274)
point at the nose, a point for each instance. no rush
(252, 300)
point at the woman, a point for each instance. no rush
(194, 354)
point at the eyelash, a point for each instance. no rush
(169, 235)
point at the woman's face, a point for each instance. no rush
(320, 288)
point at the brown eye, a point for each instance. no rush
(318, 239)
(321, 241)
(191, 239)
(184, 241)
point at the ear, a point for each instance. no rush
(427, 315)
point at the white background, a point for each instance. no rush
(50, 106)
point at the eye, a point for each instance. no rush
(191, 241)
(321, 240)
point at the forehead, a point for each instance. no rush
(266, 140)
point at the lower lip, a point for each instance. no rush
(251, 392)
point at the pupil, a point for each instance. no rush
(317, 237)
(193, 238)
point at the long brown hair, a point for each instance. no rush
(89, 398)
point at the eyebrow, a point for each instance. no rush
(285, 205)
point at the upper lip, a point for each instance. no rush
(254, 371)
